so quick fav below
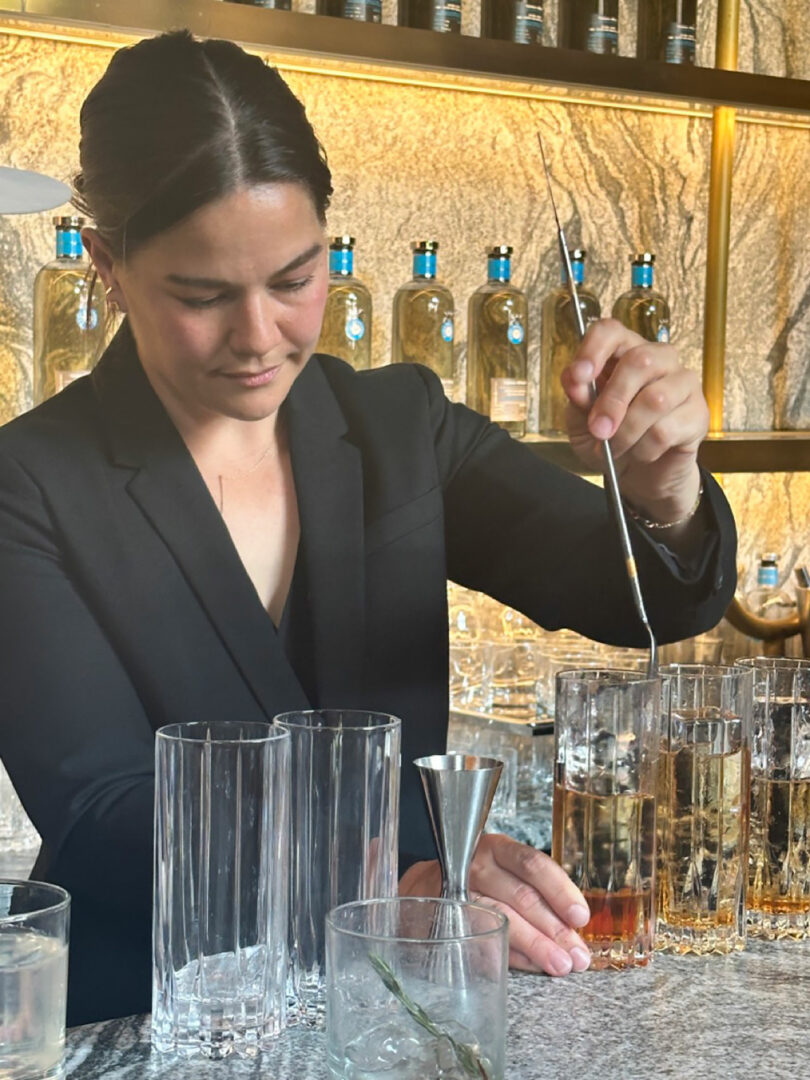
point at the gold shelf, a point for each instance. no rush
(724, 452)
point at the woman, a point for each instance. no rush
(217, 523)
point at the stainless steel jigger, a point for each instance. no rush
(459, 789)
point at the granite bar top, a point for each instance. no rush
(685, 1017)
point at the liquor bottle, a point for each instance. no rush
(279, 5)
(346, 330)
(592, 25)
(497, 324)
(360, 10)
(423, 319)
(69, 321)
(766, 599)
(642, 308)
(667, 31)
(559, 340)
(513, 20)
(442, 15)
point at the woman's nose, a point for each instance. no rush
(255, 331)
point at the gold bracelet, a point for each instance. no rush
(666, 524)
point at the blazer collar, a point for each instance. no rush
(171, 493)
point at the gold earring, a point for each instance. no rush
(112, 303)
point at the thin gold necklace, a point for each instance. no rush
(221, 478)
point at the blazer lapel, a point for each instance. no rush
(329, 486)
(172, 495)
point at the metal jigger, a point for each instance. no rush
(459, 789)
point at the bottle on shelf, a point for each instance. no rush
(496, 346)
(642, 308)
(360, 10)
(513, 20)
(559, 340)
(591, 25)
(69, 320)
(767, 599)
(346, 330)
(278, 5)
(667, 30)
(441, 15)
(423, 319)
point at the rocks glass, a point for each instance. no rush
(345, 832)
(416, 988)
(702, 808)
(221, 887)
(603, 834)
(779, 858)
(34, 920)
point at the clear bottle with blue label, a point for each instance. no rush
(667, 30)
(69, 319)
(346, 329)
(441, 15)
(359, 10)
(497, 332)
(767, 599)
(423, 330)
(591, 25)
(642, 308)
(559, 341)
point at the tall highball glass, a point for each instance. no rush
(220, 887)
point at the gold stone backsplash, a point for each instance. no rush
(459, 165)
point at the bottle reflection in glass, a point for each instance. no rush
(667, 31)
(346, 330)
(496, 346)
(69, 321)
(642, 308)
(592, 25)
(423, 319)
(559, 340)
(513, 20)
(441, 15)
(360, 10)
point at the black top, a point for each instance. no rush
(126, 606)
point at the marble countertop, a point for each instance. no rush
(683, 1017)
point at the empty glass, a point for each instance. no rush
(779, 858)
(702, 808)
(34, 920)
(345, 832)
(606, 752)
(515, 672)
(221, 887)
(416, 989)
(471, 674)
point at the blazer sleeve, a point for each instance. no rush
(74, 737)
(543, 541)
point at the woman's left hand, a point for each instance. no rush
(650, 407)
(540, 901)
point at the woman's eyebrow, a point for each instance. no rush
(220, 283)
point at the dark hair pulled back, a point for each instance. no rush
(175, 123)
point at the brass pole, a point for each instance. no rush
(719, 224)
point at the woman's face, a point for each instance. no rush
(226, 307)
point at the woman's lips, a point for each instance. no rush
(253, 378)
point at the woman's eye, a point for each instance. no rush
(201, 302)
(294, 286)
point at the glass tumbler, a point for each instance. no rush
(345, 832)
(779, 855)
(34, 924)
(416, 988)
(603, 831)
(702, 808)
(220, 887)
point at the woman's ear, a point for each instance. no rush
(105, 265)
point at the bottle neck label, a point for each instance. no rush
(499, 268)
(528, 21)
(424, 264)
(767, 575)
(603, 34)
(642, 275)
(681, 40)
(447, 16)
(578, 269)
(341, 262)
(448, 329)
(68, 244)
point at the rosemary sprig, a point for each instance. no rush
(467, 1056)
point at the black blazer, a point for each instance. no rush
(125, 605)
